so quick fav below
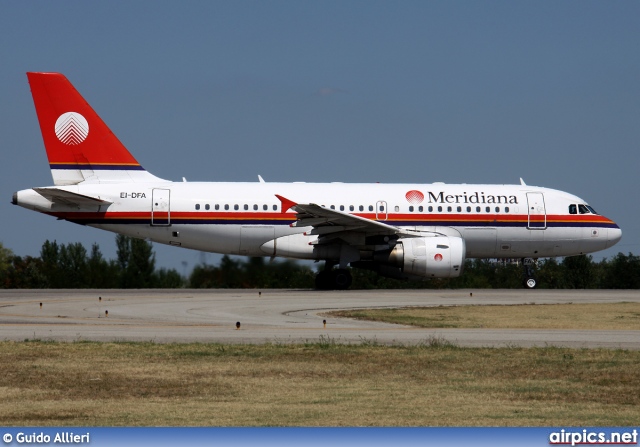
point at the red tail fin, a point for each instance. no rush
(79, 145)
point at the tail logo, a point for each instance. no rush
(72, 128)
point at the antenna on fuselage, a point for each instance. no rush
(260, 179)
(522, 182)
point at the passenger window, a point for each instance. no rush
(275, 207)
(361, 208)
(236, 207)
(255, 207)
(477, 209)
(449, 209)
(573, 209)
(488, 209)
(421, 208)
(370, 207)
(207, 207)
(397, 208)
(226, 207)
(217, 207)
(506, 209)
(583, 209)
(197, 206)
(459, 209)
(439, 209)
(497, 209)
(411, 209)
(351, 208)
(265, 207)
(381, 207)
(332, 207)
(246, 207)
(430, 209)
(468, 209)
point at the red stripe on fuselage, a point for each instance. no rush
(417, 219)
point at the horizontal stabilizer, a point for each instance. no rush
(56, 195)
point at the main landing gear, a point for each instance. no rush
(333, 279)
(530, 281)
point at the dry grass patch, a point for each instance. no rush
(323, 384)
(616, 316)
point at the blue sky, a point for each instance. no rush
(354, 91)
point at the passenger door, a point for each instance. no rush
(537, 211)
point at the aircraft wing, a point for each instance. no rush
(56, 195)
(326, 221)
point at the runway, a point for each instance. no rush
(281, 316)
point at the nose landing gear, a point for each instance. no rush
(530, 281)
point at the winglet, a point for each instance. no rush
(286, 203)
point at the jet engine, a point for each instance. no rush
(430, 257)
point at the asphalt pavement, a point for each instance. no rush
(282, 316)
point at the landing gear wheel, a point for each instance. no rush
(530, 283)
(341, 279)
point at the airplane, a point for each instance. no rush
(405, 231)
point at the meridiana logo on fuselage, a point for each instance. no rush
(474, 197)
(414, 196)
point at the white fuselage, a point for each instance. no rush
(495, 221)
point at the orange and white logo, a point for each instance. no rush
(71, 128)
(414, 196)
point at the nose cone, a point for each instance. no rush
(613, 236)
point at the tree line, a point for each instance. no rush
(575, 272)
(72, 266)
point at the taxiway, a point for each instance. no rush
(281, 316)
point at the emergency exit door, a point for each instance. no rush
(160, 207)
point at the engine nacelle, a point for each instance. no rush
(430, 257)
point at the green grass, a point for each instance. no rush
(318, 383)
(616, 316)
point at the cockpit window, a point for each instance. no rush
(573, 209)
(591, 209)
(583, 209)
